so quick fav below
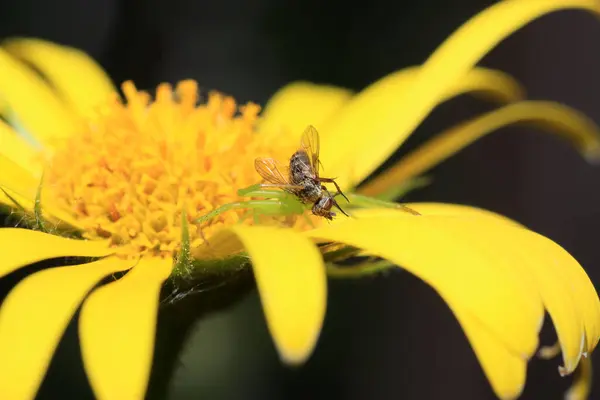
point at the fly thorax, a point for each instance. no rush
(311, 192)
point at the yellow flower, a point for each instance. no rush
(132, 177)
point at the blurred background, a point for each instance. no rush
(390, 336)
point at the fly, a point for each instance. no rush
(301, 177)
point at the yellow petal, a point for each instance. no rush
(373, 111)
(32, 101)
(582, 383)
(551, 276)
(505, 370)
(542, 271)
(568, 294)
(57, 220)
(564, 288)
(291, 281)
(490, 84)
(19, 151)
(17, 179)
(34, 316)
(459, 263)
(433, 209)
(22, 186)
(5, 200)
(12, 199)
(299, 104)
(117, 328)
(224, 247)
(77, 78)
(385, 115)
(557, 119)
(21, 247)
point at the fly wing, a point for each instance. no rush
(272, 171)
(311, 145)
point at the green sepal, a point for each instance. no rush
(40, 224)
(183, 260)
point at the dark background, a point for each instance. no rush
(385, 337)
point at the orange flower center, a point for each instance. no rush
(129, 174)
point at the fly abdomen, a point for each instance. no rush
(300, 168)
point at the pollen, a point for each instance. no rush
(134, 167)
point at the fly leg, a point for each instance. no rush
(255, 191)
(337, 187)
(272, 207)
(335, 203)
(369, 202)
(290, 203)
(283, 186)
(276, 203)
